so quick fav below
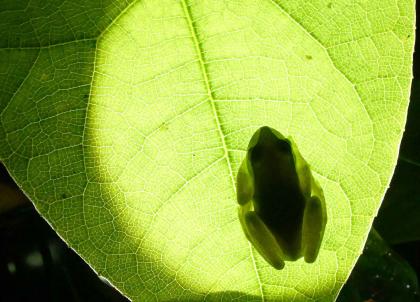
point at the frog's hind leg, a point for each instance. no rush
(261, 238)
(313, 228)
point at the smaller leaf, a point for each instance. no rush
(380, 275)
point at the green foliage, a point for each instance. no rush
(126, 123)
(380, 275)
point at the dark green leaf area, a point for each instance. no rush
(401, 206)
(380, 275)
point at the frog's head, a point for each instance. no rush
(268, 147)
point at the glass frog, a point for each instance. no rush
(281, 207)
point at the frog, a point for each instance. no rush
(282, 207)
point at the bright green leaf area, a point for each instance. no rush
(126, 123)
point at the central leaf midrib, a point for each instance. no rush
(204, 72)
(199, 51)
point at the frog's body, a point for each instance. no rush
(282, 208)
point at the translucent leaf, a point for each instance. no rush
(125, 123)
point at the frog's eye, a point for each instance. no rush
(283, 146)
(257, 154)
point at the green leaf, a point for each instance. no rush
(126, 123)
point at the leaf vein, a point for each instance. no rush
(204, 71)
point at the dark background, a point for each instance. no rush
(36, 265)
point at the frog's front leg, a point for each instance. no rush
(245, 187)
(260, 236)
(314, 220)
